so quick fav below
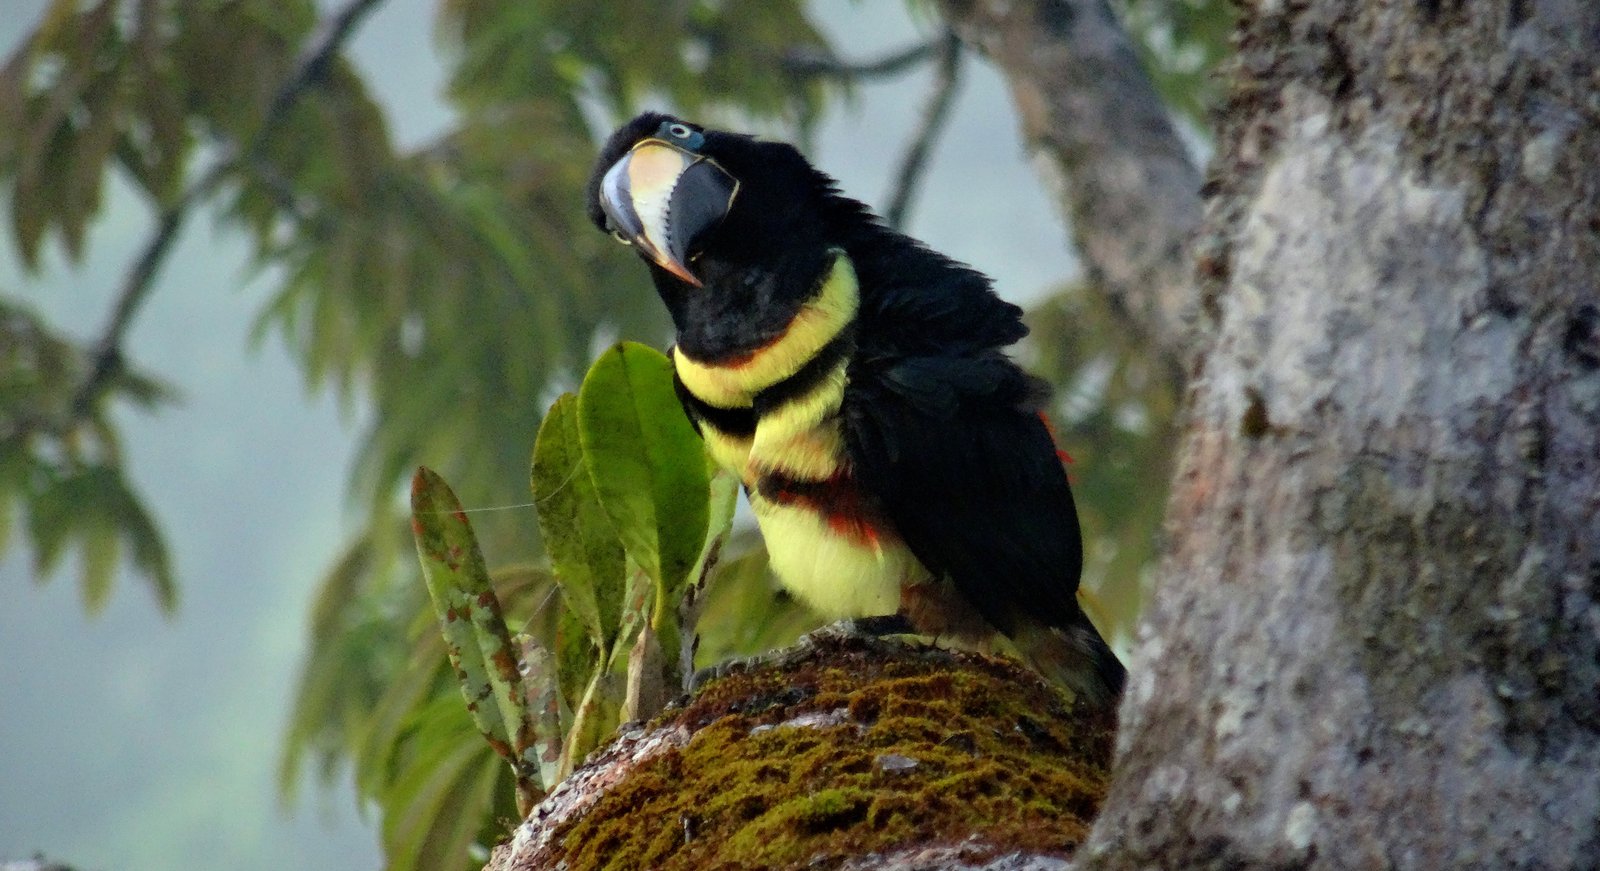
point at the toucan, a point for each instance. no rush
(855, 380)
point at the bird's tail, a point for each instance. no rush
(1075, 657)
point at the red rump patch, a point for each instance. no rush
(841, 503)
(1050, 428)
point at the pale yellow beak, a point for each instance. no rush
(660, 198)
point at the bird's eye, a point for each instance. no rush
(617, 235)
(680, 131)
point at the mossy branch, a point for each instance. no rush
(842, 748)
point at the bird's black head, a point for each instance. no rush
(735, 229)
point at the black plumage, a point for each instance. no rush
(941, 433)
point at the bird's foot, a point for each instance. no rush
(856, 628)
(866, 631)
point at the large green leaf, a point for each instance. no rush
(648, 464)
(474, 628)
(580, 540)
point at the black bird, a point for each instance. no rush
(854, 379)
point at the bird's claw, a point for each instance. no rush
(852, 630)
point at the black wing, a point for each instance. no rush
(969, 475)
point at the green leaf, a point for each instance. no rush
(15, 467)
(144, 541)
(92, 508)
(544, 706)
(724, 502)
(99, 554)
(593, 719)
(648, 464)
(575, 655)
(470, 618)
(444, 789)
(52, 519)
(636, 608)
(404, 694)
(747, 610)
(580, 540)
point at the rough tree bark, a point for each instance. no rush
(1376, 638)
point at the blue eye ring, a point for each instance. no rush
(678, 131)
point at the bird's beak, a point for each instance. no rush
(659, 197)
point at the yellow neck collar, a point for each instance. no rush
(734, 383)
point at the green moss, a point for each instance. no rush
(998, 754)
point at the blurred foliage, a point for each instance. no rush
(101, 87)
(1181, 43)
(1113, 412)
(453, 289)
(62, 467)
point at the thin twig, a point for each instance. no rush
(280, 188)
(814, 63)
(934, 114)
(107, 360)
(333, 33)
(308, 71)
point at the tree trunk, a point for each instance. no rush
(1376, 641)
(1102, 136)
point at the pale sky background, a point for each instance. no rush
(134, 742)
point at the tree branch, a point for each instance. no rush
(811, 63)
(308, 71)
(1123, 177)
(934, 114)
(331, 36)
(1040, 763)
